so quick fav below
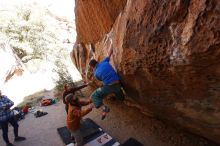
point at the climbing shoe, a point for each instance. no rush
(20, 138)
(105, 110)
(9, 144)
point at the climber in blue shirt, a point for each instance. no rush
(104, 72)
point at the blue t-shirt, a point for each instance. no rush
(105, 72)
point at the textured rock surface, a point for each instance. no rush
(167, 54)
(95, 17)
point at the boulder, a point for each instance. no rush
(167, 54)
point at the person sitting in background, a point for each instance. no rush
(75, 114)
(7, 116)
(69, 89)
(104, 72)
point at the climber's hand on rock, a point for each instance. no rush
(89, 83)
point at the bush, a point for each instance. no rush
(64, 76)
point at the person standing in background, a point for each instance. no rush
(7, 116)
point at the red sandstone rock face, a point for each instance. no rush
(95, 17)
(168, 56)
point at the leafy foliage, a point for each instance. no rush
(63, 76)
(35, 36)
(30, 33)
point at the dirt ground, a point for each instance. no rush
(41, 131)
(122, 123)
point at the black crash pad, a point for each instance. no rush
(132, 142)
(88, 128)
(94, 135)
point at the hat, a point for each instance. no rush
(69, 97)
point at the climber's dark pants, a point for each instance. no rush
(99, 94)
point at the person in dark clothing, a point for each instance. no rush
(7, 116)
(69, 89)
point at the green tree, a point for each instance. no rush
(35, 36)
(31, 33)
(63, 75)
